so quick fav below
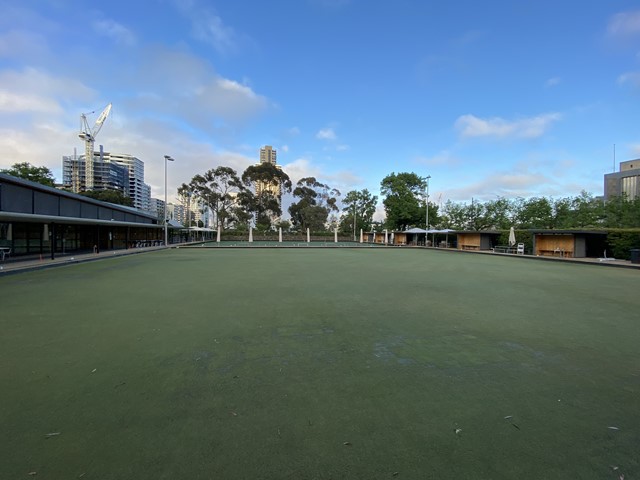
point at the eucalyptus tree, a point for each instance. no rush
(218, 189)
(315, 202)
(269, 183)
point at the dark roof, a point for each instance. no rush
(63, 193)
(566, 232)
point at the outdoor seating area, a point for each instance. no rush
(505, 249)
(146, 243)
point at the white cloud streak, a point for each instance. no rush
(630, 78)
(533, 127)
(624, 24)
(208, 27)
(117, 32)
(326, 134)
(552, 82)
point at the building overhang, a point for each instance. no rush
(34, 218)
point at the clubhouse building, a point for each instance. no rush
(36, 220)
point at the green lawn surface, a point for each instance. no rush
(320, 364)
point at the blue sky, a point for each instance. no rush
(496, 98)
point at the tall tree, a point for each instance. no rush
(266, 202)
(111, 196)
(587, 210)
(358, 208)
(32, 173)
(218, 189)
(535, 212)
(187, 196)
(402, 203)
(316, 201)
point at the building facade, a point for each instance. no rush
(268, 155)
(36, 220)
(624, 182)
(108, 168)
(107, 176)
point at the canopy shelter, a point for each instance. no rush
(414, 235)
(444, 231)
(199, 233)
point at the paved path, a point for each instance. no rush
(11, 265)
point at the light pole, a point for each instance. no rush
(426, 207)
(166, 230)
(354, 221)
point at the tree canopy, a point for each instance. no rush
(316, 201)
(32, 173)
(218, 189)
(111, 196)
(403, 194)
(265, 203)
(358, 207)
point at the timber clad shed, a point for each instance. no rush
(569, 243)
(473, 240)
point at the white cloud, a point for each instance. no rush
(445, 157)
(342, 148)
(13, 103)
(284, 148)
(117, 32)
(500, 184)
(208, 27)
(342, 180)
(552, 82)
(630, 78)
(326, 134)
(624, 24)
(21, 44)
(472, 126)
(31, 82)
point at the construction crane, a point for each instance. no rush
(89, 136)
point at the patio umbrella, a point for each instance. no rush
(280, 234)
(512, 237)
(250, 234)
(218, 235)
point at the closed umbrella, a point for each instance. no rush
(512, 237)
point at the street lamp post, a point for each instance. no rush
(426, 207)
(354, 221)
(166, 229)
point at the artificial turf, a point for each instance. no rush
(320, 364)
